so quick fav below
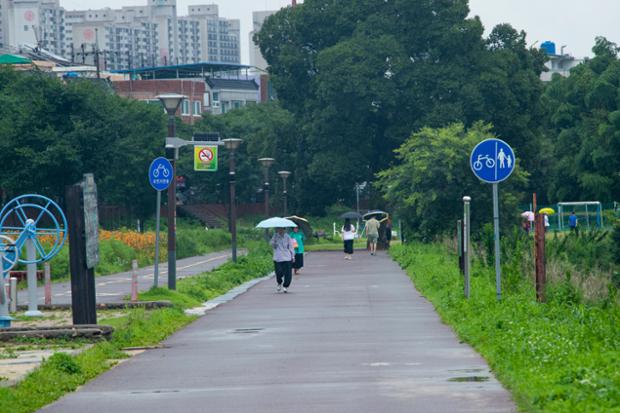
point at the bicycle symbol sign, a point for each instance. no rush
(160, 174)
(492, 160)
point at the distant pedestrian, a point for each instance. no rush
(283, 257)
(298, 238)
(573, 222)
(372, 232)
(388, 232)
(348, 236)
(546, 222)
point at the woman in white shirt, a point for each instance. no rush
(348, 235)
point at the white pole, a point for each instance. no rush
(13, 287)
(31, 269)
(498, 270)
(157, 219)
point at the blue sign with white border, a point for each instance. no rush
(160, 174)
(492, 160)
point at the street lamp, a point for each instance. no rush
(284, 175)
(232, 144)
(171, 102)
(266, 163)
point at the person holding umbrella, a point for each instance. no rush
(283, 251)
(283, 257)
(348, 235)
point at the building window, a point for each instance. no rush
(185, 107)
(216, 98)
(197, 108)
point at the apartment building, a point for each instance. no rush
(130, 37)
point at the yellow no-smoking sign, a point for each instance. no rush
(205, 158)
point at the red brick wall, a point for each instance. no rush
(150, 89)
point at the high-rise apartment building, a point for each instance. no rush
(130, 37)
(33, 23)
(256, 58)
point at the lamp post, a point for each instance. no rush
(284, 175)
(231, 144)
(266, 163)
(171, 103)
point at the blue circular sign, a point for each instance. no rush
(492, 160)
(160, 174)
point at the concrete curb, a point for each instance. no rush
(224, 298)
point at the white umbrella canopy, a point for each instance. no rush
(276, 222)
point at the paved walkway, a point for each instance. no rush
(350, 336)
(112, 288)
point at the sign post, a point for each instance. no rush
(160, 178)
(492, 161)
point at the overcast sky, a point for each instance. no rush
(574, 23)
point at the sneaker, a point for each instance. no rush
(280, 288)
(284, 290)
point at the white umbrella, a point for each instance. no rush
(276, 222)
(528, 214)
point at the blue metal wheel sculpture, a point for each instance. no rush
(10, 253)
(36, 218)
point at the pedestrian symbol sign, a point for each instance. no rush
(492, 160)
(205, 158)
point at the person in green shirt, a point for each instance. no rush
(298, 242)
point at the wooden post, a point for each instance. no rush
(540, 258)
(134, 281)
(83, 297)
(48, 283)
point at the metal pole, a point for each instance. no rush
(466, 245)
(172, 213)
(459, 244)
(233, 206)
(48, 283)
(498, 270)
(157, 219)
(284, 193)
(357, 204)
(31, 270)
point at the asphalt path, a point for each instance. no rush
(350, 336)
(113, 288)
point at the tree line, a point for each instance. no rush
(393, 93)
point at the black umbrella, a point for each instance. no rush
(380, 215)
(303, 224)
(350, 215)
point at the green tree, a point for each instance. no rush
(51, 133)
(584, 123)
(432, 175)
(379, 70)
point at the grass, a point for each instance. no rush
(560, 356)
(62, 373)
